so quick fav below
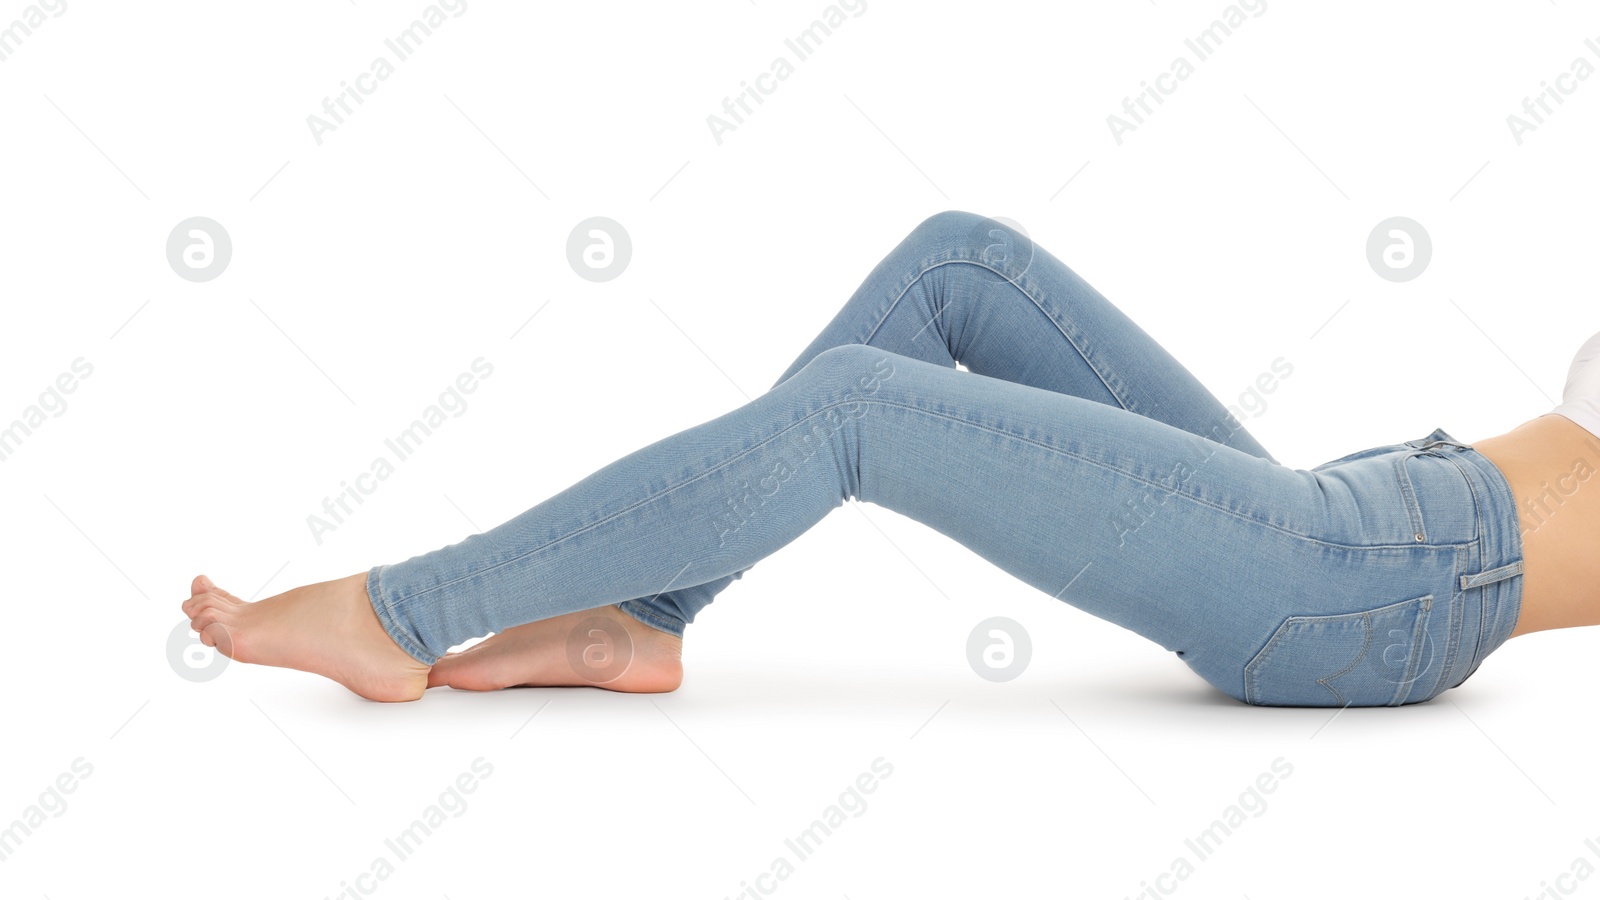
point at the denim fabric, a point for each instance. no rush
(1076, 454)
(1406, 622)
(966, 287)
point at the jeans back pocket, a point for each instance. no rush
(1368, 658)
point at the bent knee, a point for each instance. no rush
(849, 370)
(949, 222)
(957, 235)
(954, 232)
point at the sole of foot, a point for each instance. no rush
(604, 648)
(328, 629)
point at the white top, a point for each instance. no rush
(1580, 400)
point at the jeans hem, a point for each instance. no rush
(380, 606)
(659, 623)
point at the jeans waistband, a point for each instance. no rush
(1495, 572)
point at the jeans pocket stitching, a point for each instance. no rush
(1286, 630)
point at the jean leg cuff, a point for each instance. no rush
(640, 613)
(391, 627)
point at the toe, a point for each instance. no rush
(202, 619)
(212, 599)
(207, 609)
(203, 585)
(193, 605)
(217, 635)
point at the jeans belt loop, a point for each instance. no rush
(1499, 573)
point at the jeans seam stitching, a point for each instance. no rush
(1453, 629)
(1280, 634)
(1408, 495)
(1366, 647)
(1478, 555)
(947, 261)
(1407, 686)
(1458, 613)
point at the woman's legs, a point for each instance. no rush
(1144, 524)
(959, 287)
(965, 287)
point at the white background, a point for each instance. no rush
(369, 270)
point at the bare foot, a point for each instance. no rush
(328, 629)
(602, 647)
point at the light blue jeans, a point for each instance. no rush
(1075, 454)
